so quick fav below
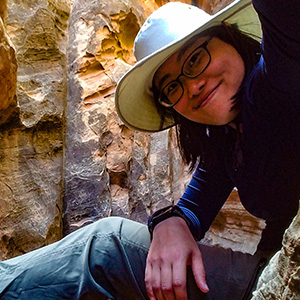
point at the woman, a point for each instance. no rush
(237, 112)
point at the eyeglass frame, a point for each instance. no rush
(204, 46)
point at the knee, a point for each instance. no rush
(110, 222)
(106, 226)
(123, 229)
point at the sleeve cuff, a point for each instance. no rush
(195, 226)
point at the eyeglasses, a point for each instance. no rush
(193, 66)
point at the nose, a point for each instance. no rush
(193, 86)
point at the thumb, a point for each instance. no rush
(199, 272)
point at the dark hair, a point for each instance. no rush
(191, 136)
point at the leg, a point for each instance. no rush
(231, 274)
(104, 260)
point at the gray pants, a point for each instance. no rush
(106, 260)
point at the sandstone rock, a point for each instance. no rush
(281, 278)
(31, 141)
(3, 10)
(38, 32)
(101, 40)
(8, 75)
(235, 228)
(30, 188)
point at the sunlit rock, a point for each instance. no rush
(8, 75)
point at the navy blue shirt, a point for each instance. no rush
(268, 181)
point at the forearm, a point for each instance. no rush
(204, 197)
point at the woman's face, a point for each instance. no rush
(207, 98)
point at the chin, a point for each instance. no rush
(215, 120)
(219, 121)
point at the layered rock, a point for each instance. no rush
(38, 32)
(235, 228)
(30, 188)
(8, 73)
(281, 278)
(109, 169)
(31, 141)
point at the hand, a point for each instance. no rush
(173, 248)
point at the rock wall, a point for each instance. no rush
(8, 72)
(109, 169)
(32, 130)
(280, 280)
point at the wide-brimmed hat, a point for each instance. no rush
(165, 31)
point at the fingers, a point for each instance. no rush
(169, 281)
(148, 282)
(199, 272)
(179, 281)
(166, 281)
(158, 279)
(173, 248)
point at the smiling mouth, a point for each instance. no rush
(207, 98)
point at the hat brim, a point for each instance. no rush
(135, 105)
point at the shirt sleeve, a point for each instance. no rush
(280, 20)
(204, 196)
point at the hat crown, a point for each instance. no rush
(168, 24)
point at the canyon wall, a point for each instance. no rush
(32, 123)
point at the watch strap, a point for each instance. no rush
(165, 213)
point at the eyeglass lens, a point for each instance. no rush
(193, 66)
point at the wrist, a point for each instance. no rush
(170, 226)
(164, 214)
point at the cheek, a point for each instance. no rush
(182, 105)
(231, 66)
(237, 72)
(238, 76)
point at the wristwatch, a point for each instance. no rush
(164, 214)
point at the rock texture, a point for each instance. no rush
(235, 228)
(3, 9)
(109, 170)
(38, 32)
(8, 73)
(31, 141)
(30, 188)
(281, 278)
